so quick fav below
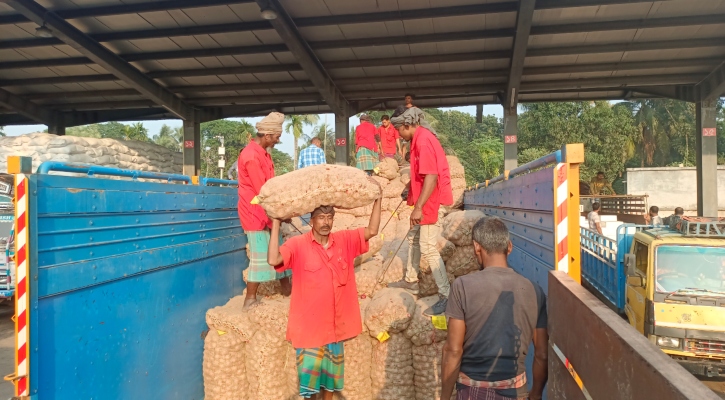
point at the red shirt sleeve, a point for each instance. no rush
(356, 242)
(427, 164)
(287, 250)
(256, 175)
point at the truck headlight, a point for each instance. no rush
(664, 341)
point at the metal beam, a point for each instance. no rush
(713, 86)
(102, 56)
(27, 108)
(121, 9)
(706, 157)
(358, 18)
(312, 66)
(524, 19)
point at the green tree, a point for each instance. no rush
(295, 125)
(90, 131)
(169, 137)
(283, 163)
(2, 131)
(136, 132)
(236, 135)
(112, 130)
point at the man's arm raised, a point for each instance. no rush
(274, 257)
(374, 224)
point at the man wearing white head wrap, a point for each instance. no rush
(255, 167)
(428, 189)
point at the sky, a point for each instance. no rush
(286, 145)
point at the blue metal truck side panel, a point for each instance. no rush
(525, 204)
(602, 261)
(124, 273)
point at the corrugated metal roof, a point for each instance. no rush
(453, 52)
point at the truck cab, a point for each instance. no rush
(675, 292)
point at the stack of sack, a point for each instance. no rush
(398, 354)
(123, 154)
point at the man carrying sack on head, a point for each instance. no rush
(428, 189)
(255, 167)
(366, 144)
(324, 308)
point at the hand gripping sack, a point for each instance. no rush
(301, 191)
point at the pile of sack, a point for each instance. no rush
(398, 354)
(123, 154)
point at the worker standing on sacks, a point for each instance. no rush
(255, 167)
(428, 189)
(367, 142)
(324, 309)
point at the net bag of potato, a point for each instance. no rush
(389, 311)
(393, 374)
(427, 284)
(223, 366)
(421, 331)
(463, 261)
(358, 362)
(268, 352)
(301, 191)
(457, 226)
(427, 366)
(388, 169)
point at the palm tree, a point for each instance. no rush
(169, 137)
(295, 125)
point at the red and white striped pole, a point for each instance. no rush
(561, 215)
(20, 166)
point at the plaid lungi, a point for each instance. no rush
(469, 389)
(259, 269)
(366, 159)
(481, 393)
(321, 368)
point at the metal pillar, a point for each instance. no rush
(342, 139)
(706, 146)
(510, 136)
(192, 148)
(479, 113)
(58, 126)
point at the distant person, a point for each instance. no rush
(256, 168)
(595, 222)
(409, 100)
(674, 218)
(312, 154)
(652, 217)
(494, 315)
(233, 171)
(600, 186)
(389, 139)
(366, 145)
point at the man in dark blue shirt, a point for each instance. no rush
(494, 315)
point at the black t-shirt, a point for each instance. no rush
(501, 309)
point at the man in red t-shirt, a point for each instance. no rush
(324, 309)
(366, 145)
(389, 139)
(255, 167)
(428, 189)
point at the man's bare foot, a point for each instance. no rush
(249, 303)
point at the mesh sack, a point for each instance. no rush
(389, 311)
(393, 189)
(343, 222)
(458, 186)
(405, 175)
(268, 351)
(457, 170)
(393, 374)
(457, 226)
(366, 276)
(427, 284)
(375, 244)
(427, 366)
(445, 249)
(230, 317)
(301, 191)
(388, 168)
(420, 331)
(463, 261)
(358, 364)
(223, 367)
(363, 211)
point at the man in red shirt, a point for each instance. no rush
(255, 167)
(324, 309)
(428, 189)
(389, 139)
(366, 144)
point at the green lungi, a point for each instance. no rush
(321, 368)
(366, 159)
(259, 269)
